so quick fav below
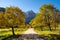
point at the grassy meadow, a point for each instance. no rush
(51, 35)
(6, 32)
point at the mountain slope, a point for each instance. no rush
(29, 16)
(2, 9)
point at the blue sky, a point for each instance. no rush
(27, 5)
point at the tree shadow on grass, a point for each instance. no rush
(26, 36)
(33, 36)
(11, 37)
(53, 37)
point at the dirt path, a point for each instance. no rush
(30, 31)
(30, 34)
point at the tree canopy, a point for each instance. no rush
(46, 17)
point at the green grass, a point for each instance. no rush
(51, 35)
(46, 32)
(8, 32)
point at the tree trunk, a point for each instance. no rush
(13, 31)
(49, 27)
(41, 28)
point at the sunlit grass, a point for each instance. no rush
(7, 32)
(46, 32)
